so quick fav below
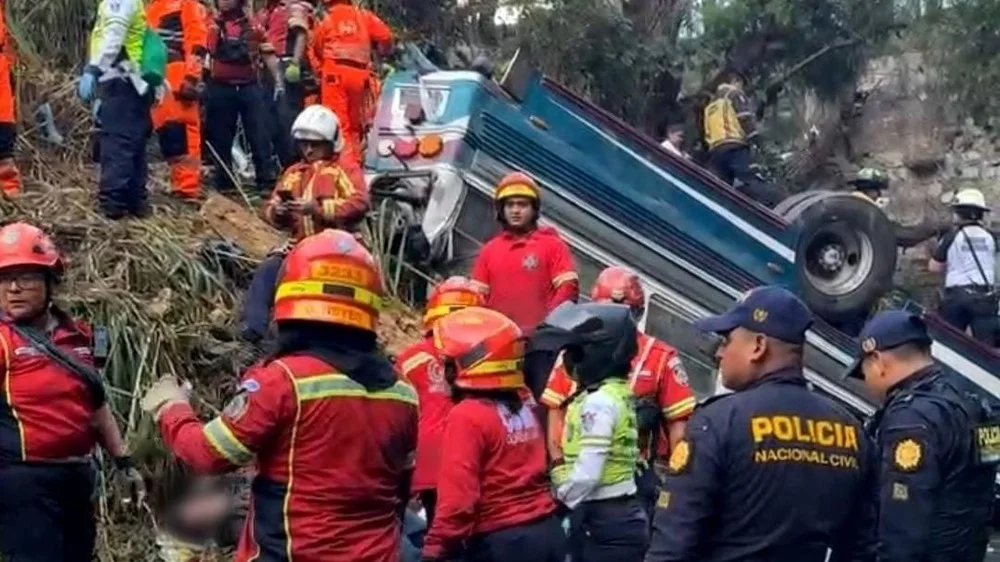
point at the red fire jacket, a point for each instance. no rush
(46, 412)
(493, 474)
(330, 457)
(526, 276)
(422, 367)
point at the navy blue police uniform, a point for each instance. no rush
(771, 473)
(937, 449)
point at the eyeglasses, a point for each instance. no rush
(23, 280)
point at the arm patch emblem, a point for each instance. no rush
(908, 455)
(680, 457)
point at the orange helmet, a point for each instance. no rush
(330, 277)
(618, 284)
(450, 295)
(484, 347)
(517, 184)
(23, 244)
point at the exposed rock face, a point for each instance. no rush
(909, 128)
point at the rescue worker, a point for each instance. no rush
(526, 270)
(656, 377)
(595, 475)
(53, 411)
(342, 47)
(313, 194)
(871, 184)
(421, 365)
(287, 24)
(238, 47)
(494, 500)
(772, 471)
(730, 129)
(10, 176)
(967, 255)
(938, 448)
(113, 76)
(333, 428)
(183, 26)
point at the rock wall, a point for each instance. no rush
(909, 127)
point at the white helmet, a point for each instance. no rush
(318, 123)
(970, 198)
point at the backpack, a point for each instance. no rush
(234, 50)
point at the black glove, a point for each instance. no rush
(128, 481)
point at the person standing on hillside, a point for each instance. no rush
(967, 255)
(53, 411)
(113, 76)
(526, 270)
(238, 49)
(326, 419)
(183, 26)
(342, 45)
(10, 176)
(287, 24)
(421, 365)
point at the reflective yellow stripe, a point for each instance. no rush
(291, 461)
(564, 278)
(319, 289)
(487, 367)
(6, 388)
(552, 399)
(308, 228)
(327, 386)
(679, 409)
(225, 443)
(416, 361)
(329, 208)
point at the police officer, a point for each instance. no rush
(967, 255)
(600, 446)
(935, 484)
(771, 472)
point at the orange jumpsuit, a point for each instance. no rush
(10, 177)
(335, 200)
(183, 25)
(342, 47)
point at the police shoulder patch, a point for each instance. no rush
(680, 457)
(907, 455)
(236, 407)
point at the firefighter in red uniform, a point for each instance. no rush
(494, 497)
(51, 416)
(422, 367)
(333, 429)
(526, 270)
(658, 380)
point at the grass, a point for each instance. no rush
(167, 304)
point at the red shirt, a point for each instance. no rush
(278, 18)
(256, 43)
(420, 365)
(657, 372)
(525, 276)
(46, 412)
(493, 474)
(330, 457)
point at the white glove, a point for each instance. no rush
(163, 392)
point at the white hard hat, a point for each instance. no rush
(318, 123)
(970, 198)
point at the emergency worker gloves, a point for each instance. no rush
(293, 73)
(88, 82)
(129, 482)
(165, 391)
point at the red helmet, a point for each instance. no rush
(23, 244)
(617, 284)
(450, 295)
(330, 277)
(517, 184)
(485, 348)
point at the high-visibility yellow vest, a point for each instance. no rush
(721, 124)
(624, 453)
(134, 35)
